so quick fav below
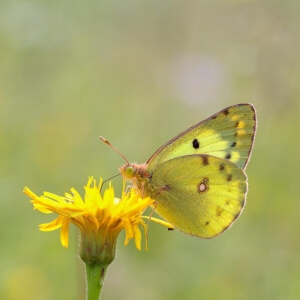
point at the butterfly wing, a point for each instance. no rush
(201, 195)
(229, 134)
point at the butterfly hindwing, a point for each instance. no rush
(228, 134)
(199, 194)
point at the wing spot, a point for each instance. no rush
(227, 202)
(228, 156)
(229, 177)
(222, 167)
(233, 144)
(196, 144)
(205, 160)
(206, 223)
(237, 124)
(226, 112)
(219, 211)
(203, 185)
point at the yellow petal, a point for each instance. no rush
(55, 224)
(64, 233)
(138, 237)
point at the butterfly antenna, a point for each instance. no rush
(108, 180)
(111, 146)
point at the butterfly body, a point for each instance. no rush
(197, 178)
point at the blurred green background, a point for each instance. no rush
(138, 73)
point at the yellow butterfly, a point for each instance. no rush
(197, 178)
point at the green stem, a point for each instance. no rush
(97, 251)
(95, 276)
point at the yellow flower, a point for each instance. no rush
(99, 218)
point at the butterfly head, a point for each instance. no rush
(132, 171)
(127, 171)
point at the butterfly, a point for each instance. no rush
(197, 178)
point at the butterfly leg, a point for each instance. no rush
(128, 188)
(152, 212)
(143, 189)
(162, 189)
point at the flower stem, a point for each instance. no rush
(95, 276)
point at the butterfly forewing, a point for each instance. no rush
(199, 194)
(228, 134)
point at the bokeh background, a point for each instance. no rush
(138, 73)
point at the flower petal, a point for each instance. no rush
(95, 214)
(138, 237)
(64, 233)
(55, 224)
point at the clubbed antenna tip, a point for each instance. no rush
(104, 140)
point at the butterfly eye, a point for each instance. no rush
(129, 171)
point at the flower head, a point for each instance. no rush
(100, 220)
(98, 217)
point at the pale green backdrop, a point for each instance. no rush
(138, 73)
